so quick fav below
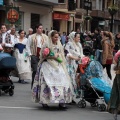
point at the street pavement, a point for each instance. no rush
(21, 107)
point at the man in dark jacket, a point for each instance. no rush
(97, 44)
(117, 43)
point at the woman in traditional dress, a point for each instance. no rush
(21, 54)
(74, 52)
(114, 104)
(52, 82)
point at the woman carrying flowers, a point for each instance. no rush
(52, 82)
(21, 54)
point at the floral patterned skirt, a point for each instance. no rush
(45, 92)
(72, 74)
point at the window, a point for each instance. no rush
(109, 3)
(61, 1)
(35, 19)
(81, 3)
(103, 4)
(71, 5)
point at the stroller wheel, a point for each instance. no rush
(82, 104)
(11, 92)
(101, 107)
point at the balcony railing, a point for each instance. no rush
(61, 6)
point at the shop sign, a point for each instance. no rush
(12, 15)
(1, 2)
(59, 16)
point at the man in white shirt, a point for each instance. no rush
(35, 43)
(13, 33)
(5, 38)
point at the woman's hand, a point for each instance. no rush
(77, 58)
(56, 55)
(74, 58)
(10, 42)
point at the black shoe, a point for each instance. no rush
(19, 81)
(23, 82)
(45, 106)
(62, 106)
(73, 102)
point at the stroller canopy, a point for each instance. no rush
(7, 61)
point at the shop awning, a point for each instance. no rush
(60, 16)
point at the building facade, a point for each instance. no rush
(101, 16)
(63, 16)
(99, 13)
(32, 12)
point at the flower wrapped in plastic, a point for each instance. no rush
(47, 52)
(84, 62)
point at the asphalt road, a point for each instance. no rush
(21, 107)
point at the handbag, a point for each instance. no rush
(109, 61)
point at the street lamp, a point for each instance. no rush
(112, 10)
(72, 15)
(87, 7)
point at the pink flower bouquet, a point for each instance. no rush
(48, 52)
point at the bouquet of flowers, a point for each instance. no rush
(48, 52)
(26, 55)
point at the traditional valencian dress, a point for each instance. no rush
(73, 49)
(114, 103)
(52, 82)
(21, 54)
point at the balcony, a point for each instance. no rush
(61, 6)
(100, 14)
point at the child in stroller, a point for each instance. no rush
(7, 64)
(94, 87)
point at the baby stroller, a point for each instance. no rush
(7, 64)
(94, 88)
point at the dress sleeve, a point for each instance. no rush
(28, 46)
(10, 44)
(70, 50)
